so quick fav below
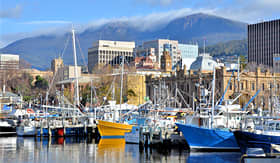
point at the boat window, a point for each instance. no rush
(277, 126)
(271, 125)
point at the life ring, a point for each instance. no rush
(30, 111)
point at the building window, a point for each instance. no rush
(230, 86)
(263, 86)
(270, 85)
(253, 86)
(242, 86)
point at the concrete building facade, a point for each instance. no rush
(105, 52)
(9, 61)
(263, 42)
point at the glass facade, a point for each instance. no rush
(188, 51)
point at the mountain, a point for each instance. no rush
(40, 50)
(230, 48)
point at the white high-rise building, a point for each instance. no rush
(9, 61)
(109, 52)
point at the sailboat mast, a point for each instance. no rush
(213, 96)
(238, 73)
(121, 85)
(76, 71)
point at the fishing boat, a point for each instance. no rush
(6, 128)
(133, 137)
(212, 136)
(199, 138)
(264, 139)
(112, 129)
(26, 131)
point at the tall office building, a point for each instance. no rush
(188, 54)
(263, 42)
(105, 52)
(162, 45)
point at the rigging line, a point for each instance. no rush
(65, 46)
(110, 89)
(63, 51)
(83, 57)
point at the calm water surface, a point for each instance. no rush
(74, 150)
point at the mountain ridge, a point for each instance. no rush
(40, 50)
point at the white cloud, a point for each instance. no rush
(151, 21)
(249, 11)
(11, 12)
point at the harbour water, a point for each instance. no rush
(77, 150)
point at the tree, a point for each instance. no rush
(243, 61)
(41, 83)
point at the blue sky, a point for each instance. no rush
(27, 18)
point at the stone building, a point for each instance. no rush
(56, 64)
(191, 85)
(166, 62)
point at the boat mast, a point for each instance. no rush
(76, 71)
(121, 88)
(213, 96)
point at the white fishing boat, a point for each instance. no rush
(133, 137)
(26, 131)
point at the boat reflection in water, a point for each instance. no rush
(223, 157)
(111, 150)
(74, 149)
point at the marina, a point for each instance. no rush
(170, 86)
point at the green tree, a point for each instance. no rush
(41, 83)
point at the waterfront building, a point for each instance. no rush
(263, 42)
(192, 83)
(188, 54)
(105, 52)
(162, 45)
(56, 64)
(9, 61)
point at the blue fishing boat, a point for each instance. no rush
(208, 137)
(264, 136)
(256, 140)
(199, 138)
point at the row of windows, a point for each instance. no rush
(263, 87)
